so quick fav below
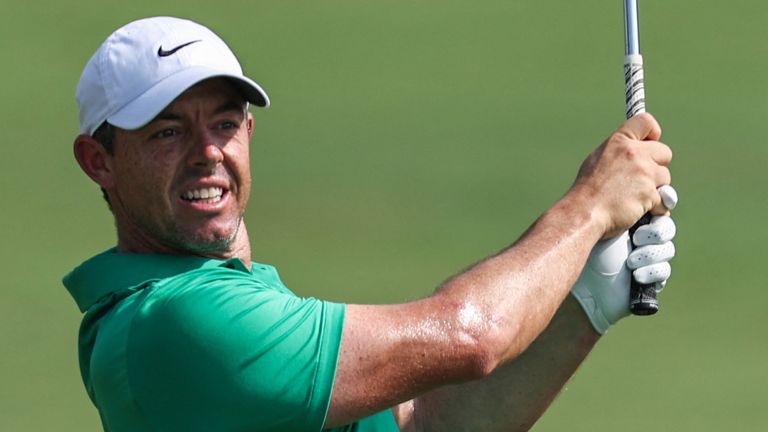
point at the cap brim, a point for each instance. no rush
(149, 104)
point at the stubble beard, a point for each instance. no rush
(205, 244)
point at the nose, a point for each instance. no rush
(206, 151)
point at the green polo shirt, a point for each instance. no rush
(181, 343)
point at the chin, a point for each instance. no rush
(207, 237)
(209, 240)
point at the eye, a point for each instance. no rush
(166, 133)
(229, 125)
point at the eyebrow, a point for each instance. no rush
(239, 106)
(229, 106)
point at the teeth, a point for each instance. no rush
(211, 194)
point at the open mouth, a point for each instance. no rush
(209, 195)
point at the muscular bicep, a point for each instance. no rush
(389, 354)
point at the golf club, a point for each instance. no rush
(642, 297)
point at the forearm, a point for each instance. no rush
(515, 395)
(475, 323)
(483, 319)
(517, 292)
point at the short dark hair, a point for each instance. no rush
(105, 135)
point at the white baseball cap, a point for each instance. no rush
(143, 66)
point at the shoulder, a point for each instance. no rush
(233, 342)
(210, 300)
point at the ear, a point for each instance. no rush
(94, 160)
(249, 120)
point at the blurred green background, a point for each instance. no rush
(407, 140)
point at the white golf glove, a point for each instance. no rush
(603, 286)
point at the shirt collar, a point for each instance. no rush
(111, 271)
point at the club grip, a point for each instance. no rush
(642, 297)
(634, 85)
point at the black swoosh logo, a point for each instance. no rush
(163, 53)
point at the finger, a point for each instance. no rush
(650, 255)
(660, 176)
(663, 176)
(660, 230)
(658, 208)
(668, 196)
(642, 127)
(653, 273)
(659, 152)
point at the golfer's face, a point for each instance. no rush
(183, 181)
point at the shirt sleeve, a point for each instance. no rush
(216, 349)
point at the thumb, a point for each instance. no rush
(642, 127)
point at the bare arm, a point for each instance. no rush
(516, 394)
(476, 322)
(484, 318)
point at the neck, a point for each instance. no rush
(239, 248)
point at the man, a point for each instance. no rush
(183, 331)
